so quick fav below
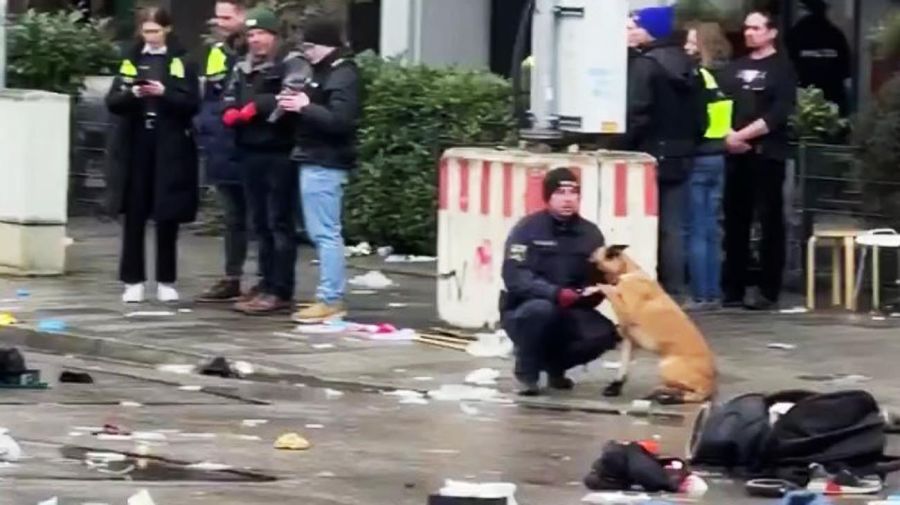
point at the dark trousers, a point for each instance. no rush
(673, 201)
(234, 206)
(553, 339)
(753, 185)
(139, 206)
(271, 183)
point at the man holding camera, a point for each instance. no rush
(325, 119)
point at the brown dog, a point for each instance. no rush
(650, 319)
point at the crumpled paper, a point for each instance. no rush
(462, 489)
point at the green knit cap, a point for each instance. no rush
(263, 19)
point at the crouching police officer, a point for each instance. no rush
(547, 264)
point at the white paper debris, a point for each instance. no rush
(51, 501)
(398, 258)
(243, 368)
(611, 365)
(398, 305)
(325, 474)
(149, 435)
(491, 345)
(9, 448)
(141, 498)
(190, 388)
(423, 378)
(459, 392)
(468, 409)
(333, 393)
(489, 490)
(179, 369)
(483, 377)
(322, 347)
(607, 497)
(250, 438)
(360, 249)
(794, 310)
(208, 466)
(151, 313)
(131, 404)
(328, 328)
(105, 457)
(315, 426)
(185, 311)
(113, 438)
(253, 423)
(373, 279)
(201, 436)
(781, 346)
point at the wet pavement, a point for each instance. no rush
(368, 448)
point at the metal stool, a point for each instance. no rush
(836, 239)
(874, 239)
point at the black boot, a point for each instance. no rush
(560, 381)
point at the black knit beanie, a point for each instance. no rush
(557, 178)
(323, 31)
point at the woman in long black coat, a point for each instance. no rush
(153, 169)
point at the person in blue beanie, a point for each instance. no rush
(666, 119)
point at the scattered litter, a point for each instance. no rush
(75, 377)
(292, 442)
(491, 345)
(141, 498)
(385, 251)
(895, 314)
(7, 319)
(399, 370)
(111, 429)
(151, 313)
(398, 305)
(220, 367)
(611, 365)
(253, 423)
(459, 392)
(314, 426)
(190, 388)
(794, 310)
(149, 436)
(201, 436)
(360, 249)
(879, 318)
(333, 393)
(132, 404)
(408, 397)
(51, 501)
(52, 326)
(105, 457)
(363, 292)
(852, 379)
(9, 448)
(253, 438)
(326, 328)
(694, 486)
(423, 378)
(210, 467)
(184, 311)
(781, 346)
(616, 497)
(326, 474)
(322, 347)
(401, 258)
(374, 279)
(483, 377)
(113, 438)
(74, 434)
(490, 490)
(468, 409)
(179, 369)
(244, 368)
(382, 331)
(22, 293)
(641, 406)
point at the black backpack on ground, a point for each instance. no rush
(844, 429)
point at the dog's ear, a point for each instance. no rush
(614, 251)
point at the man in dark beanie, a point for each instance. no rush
(325, 123)
(545, 268)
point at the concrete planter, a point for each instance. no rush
(34, 170)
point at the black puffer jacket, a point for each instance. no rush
(325, 130)
(666, 110)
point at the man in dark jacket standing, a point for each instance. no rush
(545, 268)
(326, 116)
(821, 53)
(264, 142)
(666, 118)
(217, 140)
(764, 89)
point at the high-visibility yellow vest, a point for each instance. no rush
(719, 111)
(216, 61)
(129, 71)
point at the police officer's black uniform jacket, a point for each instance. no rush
(545, 254)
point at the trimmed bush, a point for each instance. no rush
(56, 51)
(410, 115)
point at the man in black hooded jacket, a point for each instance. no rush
(666, 118)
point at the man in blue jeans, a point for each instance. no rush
(327, 113)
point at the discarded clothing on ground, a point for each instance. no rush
(839, 430)
(624, 466)
(75, 377)
(221, 367)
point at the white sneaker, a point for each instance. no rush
(134, 293)
(166, 293)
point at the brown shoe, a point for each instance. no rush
(250, 294)
(264, 305)
(226, 290)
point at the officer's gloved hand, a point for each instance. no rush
(567, 297)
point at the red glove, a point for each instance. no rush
(567, 297)
(248, 112)
(231, 117)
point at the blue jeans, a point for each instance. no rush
(322, 193)
(704, 237)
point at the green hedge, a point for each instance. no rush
(410, 115)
